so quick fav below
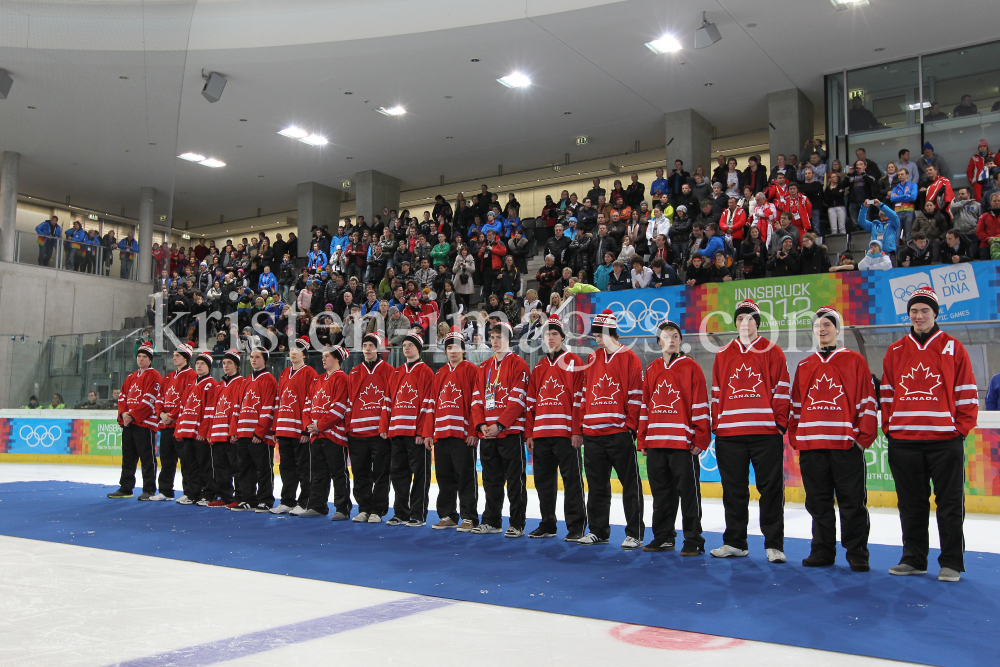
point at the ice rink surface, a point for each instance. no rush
(66, 605)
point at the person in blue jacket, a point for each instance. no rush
(317, 258)
(993, 393)
(129, 248)
(510, 224)
(76, 247)
(903, 197)
(494, 224)
(340, 239)
(93, 243)
(715, 242)
(50, 230)
(267, 281)
(885, 230)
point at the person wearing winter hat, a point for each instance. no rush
(254, 428)
(225, 461)
(929, 403)
(193, 425)
(750, 405)
(831, 424)
(977, 172)
(176, 386)
(609, 413)
(293, 441)
(140, 394)
(324, 420)
(875, 259)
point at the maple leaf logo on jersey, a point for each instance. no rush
(193, 404)
(251, 401)
(287, 402)
(371, 397)
(920, 381)
(222, 407)
(550, 391)
(171, 396)
(744, 381)
(605, 389)
(320, 399)
(406, 396)
(134, 393)
(825, 392)
(449, 396)
(665, 396)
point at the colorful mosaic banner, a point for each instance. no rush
(30, 435)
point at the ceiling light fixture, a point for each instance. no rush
(515, 80)
(192, 157)
(391, 111)
(314, 140)
(707, 34)
(293, 132)
(917, 105)
(665, 44)
(212, 162)
(842, 5)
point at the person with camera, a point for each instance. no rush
(860, 190)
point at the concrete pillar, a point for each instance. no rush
(689, 138)
(8, 204)
(790, 114)
(318, 205)
(147, 214)
(376, 192)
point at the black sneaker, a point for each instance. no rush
(242, 507)
(144, 496)
(121, 494)
(817, 561)
(573, 537)
(659, 545)
(262, 509)
(692, 551)
(858, 564)
(395, 521)
(541, 533)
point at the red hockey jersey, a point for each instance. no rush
(142, 398)
(674, 412)
(750, 389)
(225, 397)
(928, 392)
(176, 385)
(326, 406)
(613, 392)
(801, 209)
(253, 415)
(410, 389)
(195, 417)
(500, 390)
(453, 402)
(369, 392)
(833, 402)
(293, 388)
(555, 391)
(733, 221)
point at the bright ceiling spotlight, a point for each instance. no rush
(212, 162)
(515, 80)
(192, 157)
(841, 5)
(665, 44)
(917, 105)
(314, 140)
(391, 111)
(293, 132)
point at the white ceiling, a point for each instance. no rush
(291, 62)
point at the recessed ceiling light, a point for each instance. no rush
(293, 132)
(665, 44)
(349, 157)
(314, 140)
(475, 60)
(449, 137)
(243, 120)
(347, 92)
(123, 78)
(841, 5)
(261, 176)
(917, 105)
(193, 157)
(31, 107)
(515, 80)
(212, 162)
(391, 111)
(751, 25)
(567, 113)
(881, 48)
(709, 83)
(239, 146)
(447, 97)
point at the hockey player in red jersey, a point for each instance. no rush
(193, 424)
(293, 441)
(750, 402)
(610, 407)
(929, 405)
(402, 423)
(832, 422)
(503, 379)
(137, 406)
(323, 417)
(251, 426)
(370, 452)
(555, 436)
(176, 385)
(673, 430)
(452, 431)
(224, 459)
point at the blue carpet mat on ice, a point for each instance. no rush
(916, 619)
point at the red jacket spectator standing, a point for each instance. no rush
(977, 171)
(733, 220)
(801, 209)
(988, 226)
(939, 191)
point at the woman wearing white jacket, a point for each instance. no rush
(658, 224)
(465, 265)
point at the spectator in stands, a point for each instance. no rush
(812, 189)
(706, 213)
(635, 192)
(697, 273)
(686, 198)
(557, 245)
(875, 259)
(755, 175)
(662, 274)
(956, 248)
(980, 168)
(700, 189)
(754, 254)
(860, 119)
(902, 196)
(660, 186)
(885, 229)
(845, 262)
(317, 258)
(636, 231)
(128, 248)
(818, 169)
(510, 277)
(785, 229)
(888, 181)
(939, 192)
(267, 281)
(988, 226)
(994, 186)
(719, 271)
(934, 113)
(604, 243)
(697, 242)
(860, 188)
(732, 179)
(547, 276)
(658, 224)
(719, 199)
(782, 167)
(492, 253)
(836, 205)
(915, 253)
(677, 178)
(965, 107)
(57, 403)
(48, 231)
(714, 243)
(90, 404)
(910, 167)
(813, 258)
(929, 159)
(640, 275)
(596, 191)
(965, 213)
(602, 273)
(619, 279)
(627, 251)
(785, 261)
(871, 167)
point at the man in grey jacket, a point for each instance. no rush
(965, 213)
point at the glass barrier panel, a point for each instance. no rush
(883, 96)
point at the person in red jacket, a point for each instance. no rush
(831, 424)
(192, 426)
(492, 254)
(750, 403)
(176, 385)
(503, 380)
(800, 207)
(451, 430)
(977, 172)
(293, 441)
(224, 398)
(777, 192)
(674, 429)
(610, 420)
(988, 226)
(733, 220)
(939, 192)
(370, 451)
(553, 427)
(402, 423)
(140, 397)
(250, 427)
(929, 404)
(324, 420)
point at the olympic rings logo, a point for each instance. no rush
(40, 435)
(904, 293)
(704, 455)
(639, 314)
